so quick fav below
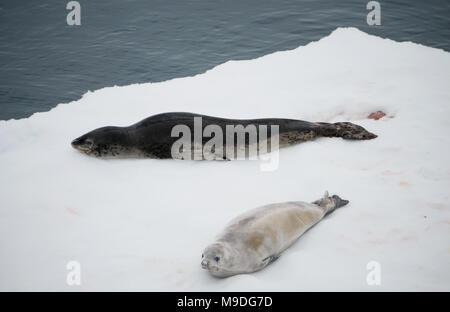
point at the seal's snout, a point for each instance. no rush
(76, 142)
(82, 144)
(205, 264)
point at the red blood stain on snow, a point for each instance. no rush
(389, 172)
(72, 211)
(376, 115)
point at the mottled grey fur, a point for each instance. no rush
(151, 137)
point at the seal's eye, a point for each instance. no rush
(203, 255)
(217, 259)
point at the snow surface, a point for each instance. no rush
(142, 224)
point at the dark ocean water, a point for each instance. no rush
(43, 61)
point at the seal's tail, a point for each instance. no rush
(345, 130)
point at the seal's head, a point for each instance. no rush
(331, 202)
(105, 141)
(219, 259)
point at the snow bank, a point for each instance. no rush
(141, 224)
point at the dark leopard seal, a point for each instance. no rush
(153, 136)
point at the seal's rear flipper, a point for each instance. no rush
(330, 203)
(345, 130)
(339, 202)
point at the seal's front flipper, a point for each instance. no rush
(269, 260)
(345, 130)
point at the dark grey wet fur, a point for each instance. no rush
(151, 137)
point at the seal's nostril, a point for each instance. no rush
(204, 264)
